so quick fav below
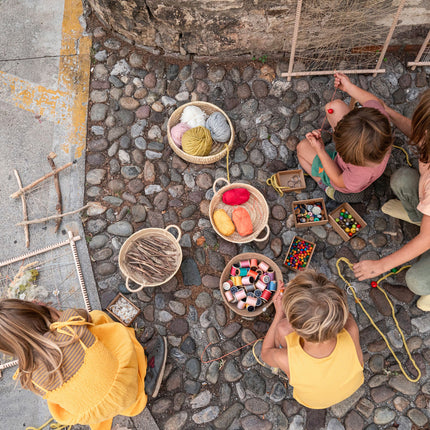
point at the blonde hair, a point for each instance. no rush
(421, 127)
(363, 135)
(23, 325)
(315, 307)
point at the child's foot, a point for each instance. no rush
(395, 209)
(256, 351)
(156, 353)
(423, 303)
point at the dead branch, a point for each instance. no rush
(48, 218)
(24, 209)
(59, 205)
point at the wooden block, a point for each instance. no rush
(296, 210)
(332, 216)
(292, 251)
(285, 180)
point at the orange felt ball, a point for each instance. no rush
(242, 221)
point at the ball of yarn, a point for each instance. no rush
(177, 132)
(219, 127)
(193, 116)
(197, 141)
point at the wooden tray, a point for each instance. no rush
(289, 250)
(298, 224)
(121, 299)
(284, 177)
(339, 230)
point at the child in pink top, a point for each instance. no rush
(362, 139)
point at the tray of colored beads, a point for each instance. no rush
(308, 213)
(346, 221)
(248, 283)
(299, 254)
(291, 180)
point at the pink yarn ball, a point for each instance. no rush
(177, 131)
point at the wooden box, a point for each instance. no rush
(123, 310)
(303, 203)
(345, 235)
(290, 252)
(291, 180)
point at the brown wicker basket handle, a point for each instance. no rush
(177, 229)
(130, 289)
(216, 181)
(265, 236)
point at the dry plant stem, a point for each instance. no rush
(38, 181)
(59, 205)
(48, 218)
(24, 209)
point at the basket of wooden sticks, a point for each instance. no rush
(150, 257)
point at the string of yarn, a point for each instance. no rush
(177, 132)
(219, 127)
(197, 141)
(193, 116)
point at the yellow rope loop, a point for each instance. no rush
(52, 425)
(272, 182)
(406, 154)
(357, 300)
(228, 171)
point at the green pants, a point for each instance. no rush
(404, 183)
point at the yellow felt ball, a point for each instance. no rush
(223, 222)
(197, 141)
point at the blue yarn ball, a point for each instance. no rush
(219, 127)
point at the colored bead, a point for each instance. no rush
(373, 284)
(330, 110)
(394, 270)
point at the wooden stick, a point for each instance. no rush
(48, 218)
(294, 41)
(38, 181)
(331, 72)
(59, 205)
(24, 209)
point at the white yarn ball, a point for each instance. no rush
(219, 127)
(193, 116)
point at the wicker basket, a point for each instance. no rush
(148, 232)
(256, 206)
(218, 149)
(226, 276)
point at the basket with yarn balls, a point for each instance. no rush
(198, 132)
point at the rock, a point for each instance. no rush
(422, 323)
(340, 409)
(380, 301)
(176, 422)
(178, 327)
(243, 91)
(383, 416)
(190, 272)
(417, 417)
(278, 392)
(365, 407)
(260, 88)
(354, 421)
(225, 420)
(400, 383)
(276, 246)
(401, 293)
(381, 394)
(231, 372)
(252, 422)
(121, 228)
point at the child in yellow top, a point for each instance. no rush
(315, 341)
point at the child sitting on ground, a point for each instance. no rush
(362, 139)
(315, 341)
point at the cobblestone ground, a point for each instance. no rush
(139, 182)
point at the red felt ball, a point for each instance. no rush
(373, 284)
(330, 110)
(236, 196)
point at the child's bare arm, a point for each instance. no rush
(352, 328)
(418, 245)
(401, 122)
(331, 168)
(342, 82)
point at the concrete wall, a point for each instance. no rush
(234, 27)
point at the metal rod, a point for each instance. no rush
(389, 36)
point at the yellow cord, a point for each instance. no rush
(406, 154)
(52, 425)
(350, 287)
(272, 182)
(228, 172)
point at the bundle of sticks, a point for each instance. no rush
(152, 259)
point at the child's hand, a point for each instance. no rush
(341, 81)
(315, 140)
(277, 299)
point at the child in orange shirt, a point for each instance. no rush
(314, 339)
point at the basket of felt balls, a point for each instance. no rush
(200, 132)
(239, 212)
